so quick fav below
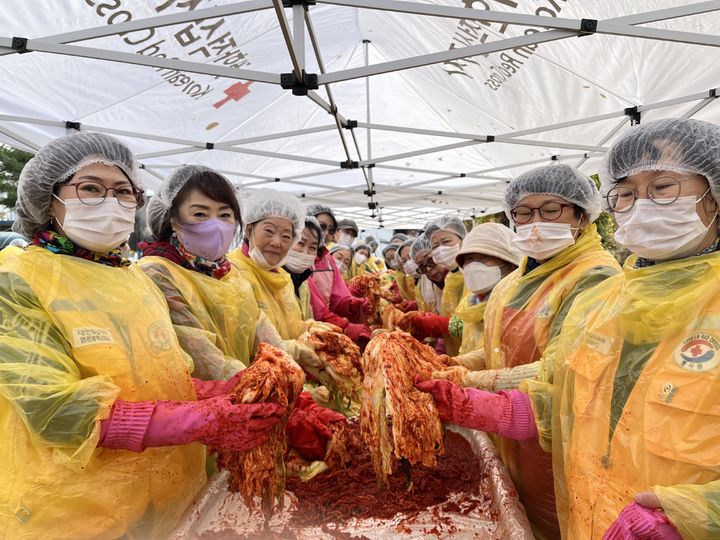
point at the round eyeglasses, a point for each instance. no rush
(427, 264)
(550, 211)
(662, 190)
(94, 193)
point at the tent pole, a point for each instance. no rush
(149, 61)
(366, 56)
(618, 25)
(156, 22)
(606, 138)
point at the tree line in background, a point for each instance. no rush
(12, 162)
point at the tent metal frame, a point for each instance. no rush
(394, 207)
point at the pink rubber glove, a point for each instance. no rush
(209, 389)
(506, 413)
(216, 422)
(637, 522)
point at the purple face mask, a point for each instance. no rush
(209, 239)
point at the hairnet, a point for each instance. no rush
(680, 145)
(363, 246)
(268, 203)
(408, 242)
(56, 162)
(399, 236)
(491, 239)
(448, 223)
(338, 247)
(316, 209)
(312, 223)
(556, 179)
(421, 243)
(389, 247)
(347, 224)
(158, 211)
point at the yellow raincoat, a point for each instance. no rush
(406, 284)
(524, 312)
(472, 317)
(452, 292)
(76, 336)
(629, 399)
(215, 319)
(274, 294)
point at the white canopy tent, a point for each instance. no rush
(405, 110)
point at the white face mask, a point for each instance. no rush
(360, 258)
(479, 277)
(661, 232)
(445, 256)
(543, 240)
(410, 267)
(344, 238)
(342, 267)
(101, 227)
(298, 262)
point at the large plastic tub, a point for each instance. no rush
(498, 514)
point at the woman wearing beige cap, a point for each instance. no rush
(486, 255)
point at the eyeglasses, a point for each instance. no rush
(550, 211)
(326, 229)
(662, 190)
(94, 193)
(426, 265)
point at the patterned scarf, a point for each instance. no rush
(62, 245)
(216, 269)
(644, 263)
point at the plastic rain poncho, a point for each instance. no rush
(627, 398)
(76, 336)
(523, 314)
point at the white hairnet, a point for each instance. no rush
(314, 225)
(316, 209)
(421, 243)
(158, 211)
(338, 247)
(680, 145)
(491, 239)
(402, 237)
(447, 223)
(556, 179)
(348, 224)
(57, 162)
(267, 203)
(388, 248)
(408, 242)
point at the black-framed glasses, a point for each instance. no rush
(326, 229)
(427, 264)
(550, 211)
(662, 190)
(94, 193)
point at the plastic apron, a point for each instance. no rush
(428, 295)
(214, 319)
(274, 294)
(452, 293)
(524, 312)
(472, 317)
(304, 301)
(629, 399)
(76, 336)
